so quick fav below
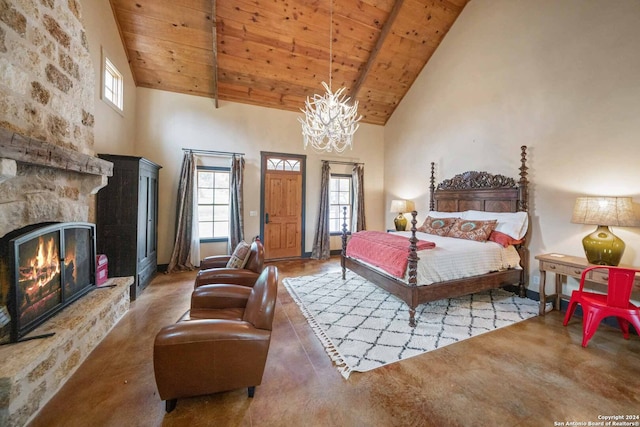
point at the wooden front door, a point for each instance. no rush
(283, 201)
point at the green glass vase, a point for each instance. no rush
(602, 247)
(401, 222)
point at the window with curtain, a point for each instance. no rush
(340, 196)
(213, 203)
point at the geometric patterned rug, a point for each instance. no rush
(363, 327)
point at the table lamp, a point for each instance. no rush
(401, 206)
(602, 247)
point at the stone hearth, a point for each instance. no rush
(32, 371)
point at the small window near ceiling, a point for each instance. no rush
(339, 198)
(213, 203)
(112, 84)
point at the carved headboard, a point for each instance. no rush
(481, 191)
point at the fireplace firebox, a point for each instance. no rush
(43, 268)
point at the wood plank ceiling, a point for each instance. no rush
(275, 53)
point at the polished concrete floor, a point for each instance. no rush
(534, 373)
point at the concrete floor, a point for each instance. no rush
(534, 373)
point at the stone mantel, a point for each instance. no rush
(45, 182)
(23, 149)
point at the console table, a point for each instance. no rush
(563, 266)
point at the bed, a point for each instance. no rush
(469, 191)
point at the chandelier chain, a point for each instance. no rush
(330, 44)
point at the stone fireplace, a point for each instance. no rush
(49, 173)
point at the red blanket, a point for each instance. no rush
(384, 250)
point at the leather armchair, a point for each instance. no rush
(220, 344)
(214, 269)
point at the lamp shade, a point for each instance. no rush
(400, 206)
(616, 211)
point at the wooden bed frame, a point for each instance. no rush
(467, 191)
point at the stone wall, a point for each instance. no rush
(46, 76)
(47, 84)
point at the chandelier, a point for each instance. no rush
(329, 121)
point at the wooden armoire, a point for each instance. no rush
(127, 220)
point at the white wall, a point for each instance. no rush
(561, 77)
(168, 122)
(113, 132)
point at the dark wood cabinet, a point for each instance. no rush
(127, 220)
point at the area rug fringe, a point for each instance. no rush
(329, 346)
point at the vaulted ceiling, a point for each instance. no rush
(275, 53)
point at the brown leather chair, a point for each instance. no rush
(214, 269)
(220, 344)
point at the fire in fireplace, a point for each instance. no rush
(44, 268)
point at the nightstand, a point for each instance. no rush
(563, 266)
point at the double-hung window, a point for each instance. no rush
(340, 196)
(213, 203)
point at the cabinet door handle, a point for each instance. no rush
(552, 267)
(605, 277)
(266, 218)
(577, 272)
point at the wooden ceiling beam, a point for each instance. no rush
(214, 28)
(374, 53)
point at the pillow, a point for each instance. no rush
(472, 229)
(503, 239)
(437, 226)
(514, 224)
(240, 255)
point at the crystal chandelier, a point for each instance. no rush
(329, 121)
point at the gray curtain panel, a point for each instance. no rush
(321, 249)
(358, 221)
(236, 203)
(180, 258)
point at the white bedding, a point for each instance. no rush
(454, 258)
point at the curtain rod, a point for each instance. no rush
(343, 163)
(213, 153)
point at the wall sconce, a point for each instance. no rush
(602, 246)
(401, 206)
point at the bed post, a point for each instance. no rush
(413, 267)
(523, 206)
(344, 242)
(523, 196)
(432, 188)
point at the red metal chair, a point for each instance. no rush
(615, 302)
